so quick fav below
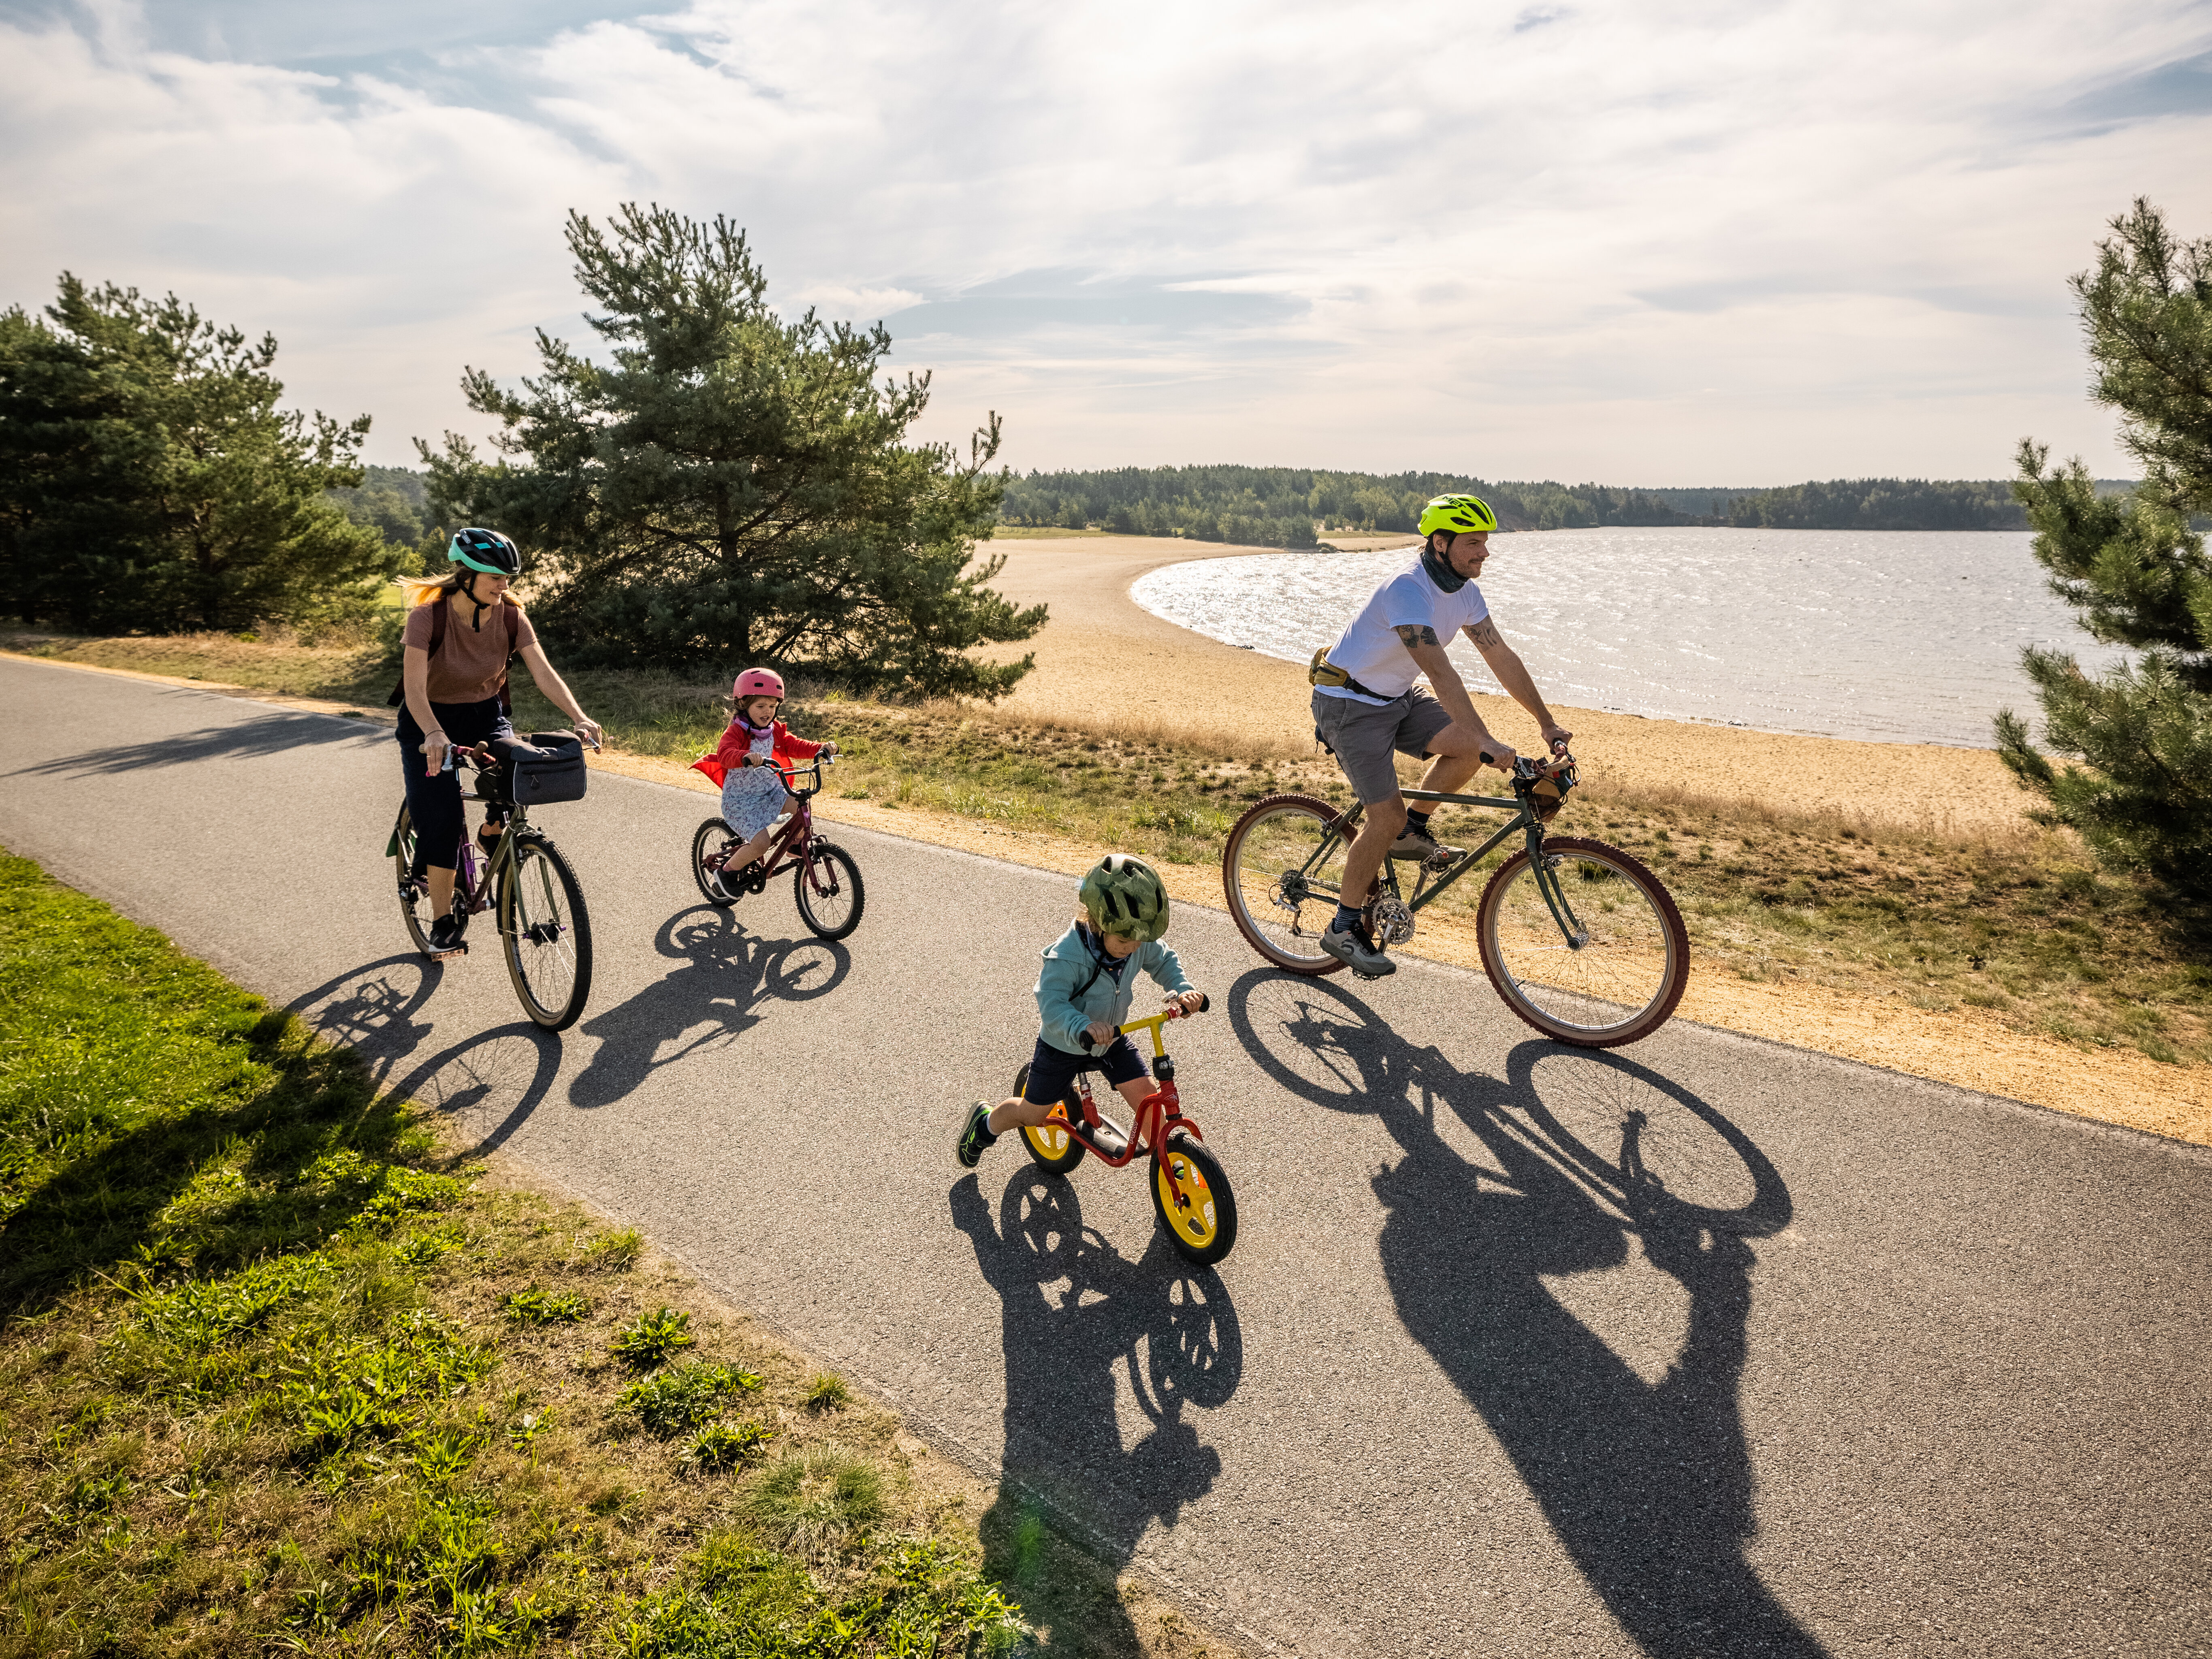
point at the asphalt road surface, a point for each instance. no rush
(1708, 1347)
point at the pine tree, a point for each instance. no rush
(728, 488)
(2141, 792)
(151, 482)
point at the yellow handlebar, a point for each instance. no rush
(1153, 1024)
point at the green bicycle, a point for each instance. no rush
(1580, 939)
(544, 931)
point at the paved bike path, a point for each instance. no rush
(1818, 1360)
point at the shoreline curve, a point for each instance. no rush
(1101, 652)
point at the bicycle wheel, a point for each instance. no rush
(414, 888)
(546, 934)
(706, 842)
(1191, 1197)
(1052, 1147)
(1617, 977)
(1281, 895)
(827, 886)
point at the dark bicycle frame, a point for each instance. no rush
(800, 828)
(1525, 819)
(466, 893)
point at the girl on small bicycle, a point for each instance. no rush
(754, 744)
(1089, 981)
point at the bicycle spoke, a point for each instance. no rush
(1617, 976)
(1283, 869)
(545, 935)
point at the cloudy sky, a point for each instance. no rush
(1666, 242)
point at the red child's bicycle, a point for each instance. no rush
(827, 884)
(1190, 1189)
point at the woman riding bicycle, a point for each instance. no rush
(454, 687)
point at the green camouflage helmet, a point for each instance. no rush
(1125, 895)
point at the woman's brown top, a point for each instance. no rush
(468, 665)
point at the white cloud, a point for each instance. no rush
(1669, 243)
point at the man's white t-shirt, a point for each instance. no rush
(1371, 653)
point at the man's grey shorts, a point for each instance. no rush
(1362, 735)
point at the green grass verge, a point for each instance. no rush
(275, 1377)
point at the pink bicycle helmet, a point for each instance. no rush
(758, 682)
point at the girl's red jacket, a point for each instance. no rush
(737, 742)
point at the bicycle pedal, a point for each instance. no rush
(460, 950)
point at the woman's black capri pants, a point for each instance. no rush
(435, 802)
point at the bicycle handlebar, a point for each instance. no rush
(1150, 1022)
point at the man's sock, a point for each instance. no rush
(1417, 821)
(1347, 915)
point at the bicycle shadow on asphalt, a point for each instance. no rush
(372, 1009)
(724, 974)
(267, 734)
(1572, 1158)
(1063, 1466)
(509, 1069)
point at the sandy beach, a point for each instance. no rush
(1101, 650)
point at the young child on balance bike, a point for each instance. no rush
(1089, 981)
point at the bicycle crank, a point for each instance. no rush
(1392, 921)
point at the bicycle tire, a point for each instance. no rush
(414, 894)
(819, 911)
(1051, 1149)
(1272, 840)
(1203, 1230)
(1621, 983)
(704, 842)
(546, 934)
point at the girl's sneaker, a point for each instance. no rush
(975, 1136)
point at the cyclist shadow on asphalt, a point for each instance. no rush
(1582, 1156)
(723, 975)
(1064, 1462)
(249, 739)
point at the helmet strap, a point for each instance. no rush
(1438, 567)
(468, 588)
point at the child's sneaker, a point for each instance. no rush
(976, 1135)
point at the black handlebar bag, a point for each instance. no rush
(546, 768)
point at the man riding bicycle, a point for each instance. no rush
(1366, 705)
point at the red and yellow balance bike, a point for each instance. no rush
(1190, 1189)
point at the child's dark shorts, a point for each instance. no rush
(1053, 1070)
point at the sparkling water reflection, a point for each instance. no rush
(1898, 636)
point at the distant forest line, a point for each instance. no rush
(1289, 506)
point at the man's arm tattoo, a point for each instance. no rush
(1409, 636)
(1485, 633)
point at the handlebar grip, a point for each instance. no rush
(1203, 1005)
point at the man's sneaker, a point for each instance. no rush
(445, 939)
(1357, 951)
(1420, 844)
(976, 1135)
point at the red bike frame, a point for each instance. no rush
(1159, 1114)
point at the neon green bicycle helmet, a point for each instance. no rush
(1124, 895)
(1463, 515)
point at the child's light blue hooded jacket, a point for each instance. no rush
(1067, 964)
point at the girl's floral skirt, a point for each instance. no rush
(753, 797)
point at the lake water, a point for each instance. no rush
(1896, 636)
